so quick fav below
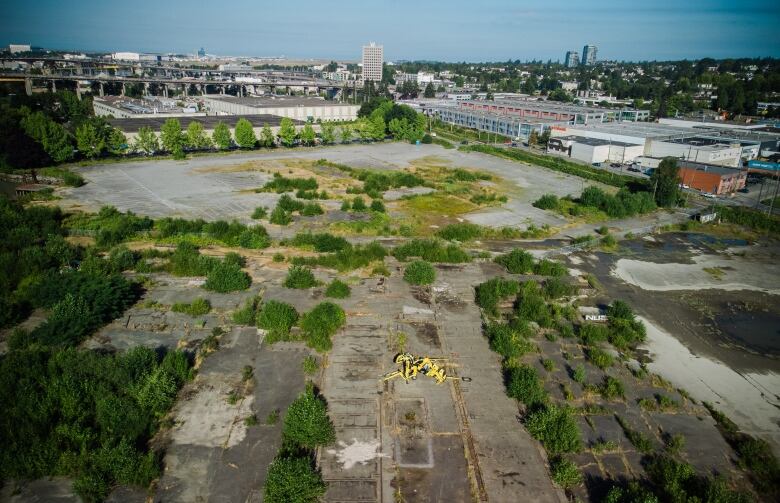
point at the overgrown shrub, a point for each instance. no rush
(555, 428)
(419, 272)
(337, 289)
(555, 288)
(430, 250)
(300, 277)
(522, 383)
(599, 357)
(247, 314)
(320, 242)
(280, 217)
(260, 212)
(280, 184)
(516, 261)
(319, 325)
(565, 473)
(549, 268)
(307, 423)
(293, 479)
(197, 307)
(227, 277)
(278, 318)
(460, 232)
(493, 291)
(507, 341)
(547, 202)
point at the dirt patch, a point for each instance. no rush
(422, 294)
(428, 333)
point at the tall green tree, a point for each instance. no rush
(221, 136)
(171, 136)
(146, 141)
(89, 141)
(267, 136)
(327, 131)
(245, 134)
(196, 136)
(287, 132)
(307, 134)
(53, 137)
(117, 142)
(666, 182)
(430, 92)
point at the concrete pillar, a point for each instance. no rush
(102, 90)
(54, 86)
(221, 89)
(185, 90)
(28, 84)
(165, 90)
(146, 88)
(123, 88)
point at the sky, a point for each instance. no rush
(451, 30)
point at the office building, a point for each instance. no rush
(373, 56)
(572, 59)
(16, 48)
(589, 55)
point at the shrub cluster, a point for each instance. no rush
(197, 307)
(460, 232)
(419, 272)
(507, 341)
(277, 318)
(300, 277)
(555, 427)
(519, 261)
(227, 277)
(431, 250)
(229, 233)
(337, 289)
(348, 258)
(522, 383)
(323, 243)
(319, 325)
(621, 205)
(280, 184)
(493, 291)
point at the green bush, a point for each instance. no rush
(320, 242)
(186, 260)
(599, 358)
(280, 217)
(419, 272)
(430, 250)
(611, 388)
(300, 277)
(591, 333)
(642, 443)
(247, 314)
(549, 268)
(517, 261)
(427, 139)
(507, 341)
(260, 212)
(280, 184)
(289, 204)
(493, 291)
(321, 323)
(555, 288)
(311, 209)
(293, 479)
(310, 365)
(565, 473)
(749, 218)
(555, 428)
(522, 383)
(378, 206)
(346, 259)
(278, 318)
(531, 306)
(307, 423)
(460, 232)
(547, 202)
(578, 374)
(227, 277)
(337, 289)
(197, 307)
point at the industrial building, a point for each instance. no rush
(294, 107)
(662, 141)
(131, 126)
(511, 126)
(711, 179)
(373, 57)
(120, 107)
(572, 114)
(594, 150)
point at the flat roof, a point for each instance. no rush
(596, 142)
(495, 115)
(540, 105)
(709, 168)
(640, 129)
(133, 124)
(275, 102)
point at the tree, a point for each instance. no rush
(377, 126)
(117, 142)
(307, 135)
(533, 138)
(666, 180)
(88, 141)
(171, 136)
(293, 480)
(346, 134)
(221, 136)
(430, 92)
(266, 136)
(545, 137)
(560, 95)
(459, 82)
(327, 132)
(146, 141)
(196, 136)
(306, 422)
(409, 89)
(53, 137)
(245, 134)
(287, 132)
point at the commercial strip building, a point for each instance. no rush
(299, 108)
(710, 178)
(131, 126)
(594, 150)
(511, 126)
(662, 140)
(373, 57)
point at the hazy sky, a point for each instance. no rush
(451, 30)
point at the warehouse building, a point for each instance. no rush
(712, 179)
(552, 110)
(122, 107)
(510, 126)
(594, 150)
(298, 108)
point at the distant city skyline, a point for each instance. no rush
(454, 30)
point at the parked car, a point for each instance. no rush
(684, 186)
(634, 170)
(615, 165)
(597, 164)
(710, 195)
